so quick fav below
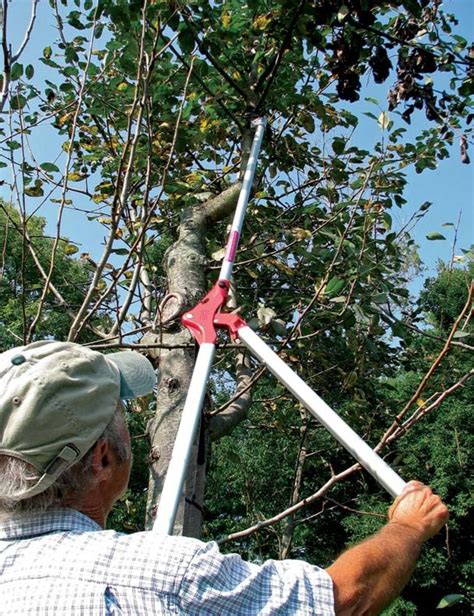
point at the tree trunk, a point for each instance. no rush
(185, 270)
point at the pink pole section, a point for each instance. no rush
(240, 210)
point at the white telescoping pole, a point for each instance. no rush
(241, 207)
(174, 481)
(366, 456)
(175, 477)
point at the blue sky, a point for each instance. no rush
(450, 187)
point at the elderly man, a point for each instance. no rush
(65, 459)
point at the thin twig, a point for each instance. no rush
(396, 424)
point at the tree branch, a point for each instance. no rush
(424, 410)
(27, 33)
(222, 424)
(293, 509)
(272, 68)
(205, 51)
(396, 424)
(222, 205)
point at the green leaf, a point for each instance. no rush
(338, 145)
(412, 7)
(279, 327)
(47, 53)
(342, 13)
(434, 235)
(369, 114)
(449, 600)
(334, 286)
(380, 298)
(74, 22)
(29, 71)
(17, 102)
(16, 71)
(13, 145)
(34, 191)
(49, 167)
(186, 41)
(307, 122)
(461, 334)
(387, 221)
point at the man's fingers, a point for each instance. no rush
(419, 508)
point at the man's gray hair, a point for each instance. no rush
(16, 476)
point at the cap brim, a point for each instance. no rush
(137, 375)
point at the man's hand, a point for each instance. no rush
(418, 508)
(368, 576)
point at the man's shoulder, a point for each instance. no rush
(68, 545)
(142, 559)
(149, 547)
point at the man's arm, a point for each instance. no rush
(370, 575)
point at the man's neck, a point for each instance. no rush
(92, 505)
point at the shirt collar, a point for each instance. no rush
(53, 520)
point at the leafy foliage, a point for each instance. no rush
(25, 248)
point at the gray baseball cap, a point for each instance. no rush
(56, 398)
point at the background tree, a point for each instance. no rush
(150, 104)
(436, 448)
(25, 261)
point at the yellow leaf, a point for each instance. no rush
(261, 22)
(300, 234)
(251, 273)
(284, 268)
(225, 18)
(63, 119)
(122, 86)
(204, 125)
(70, 249)
(420, 403)
(75, 177)
(194, 178)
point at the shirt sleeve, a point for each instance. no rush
(220, 584)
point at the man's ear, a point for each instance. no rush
(101, 460)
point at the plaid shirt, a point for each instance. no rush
(62, 563)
